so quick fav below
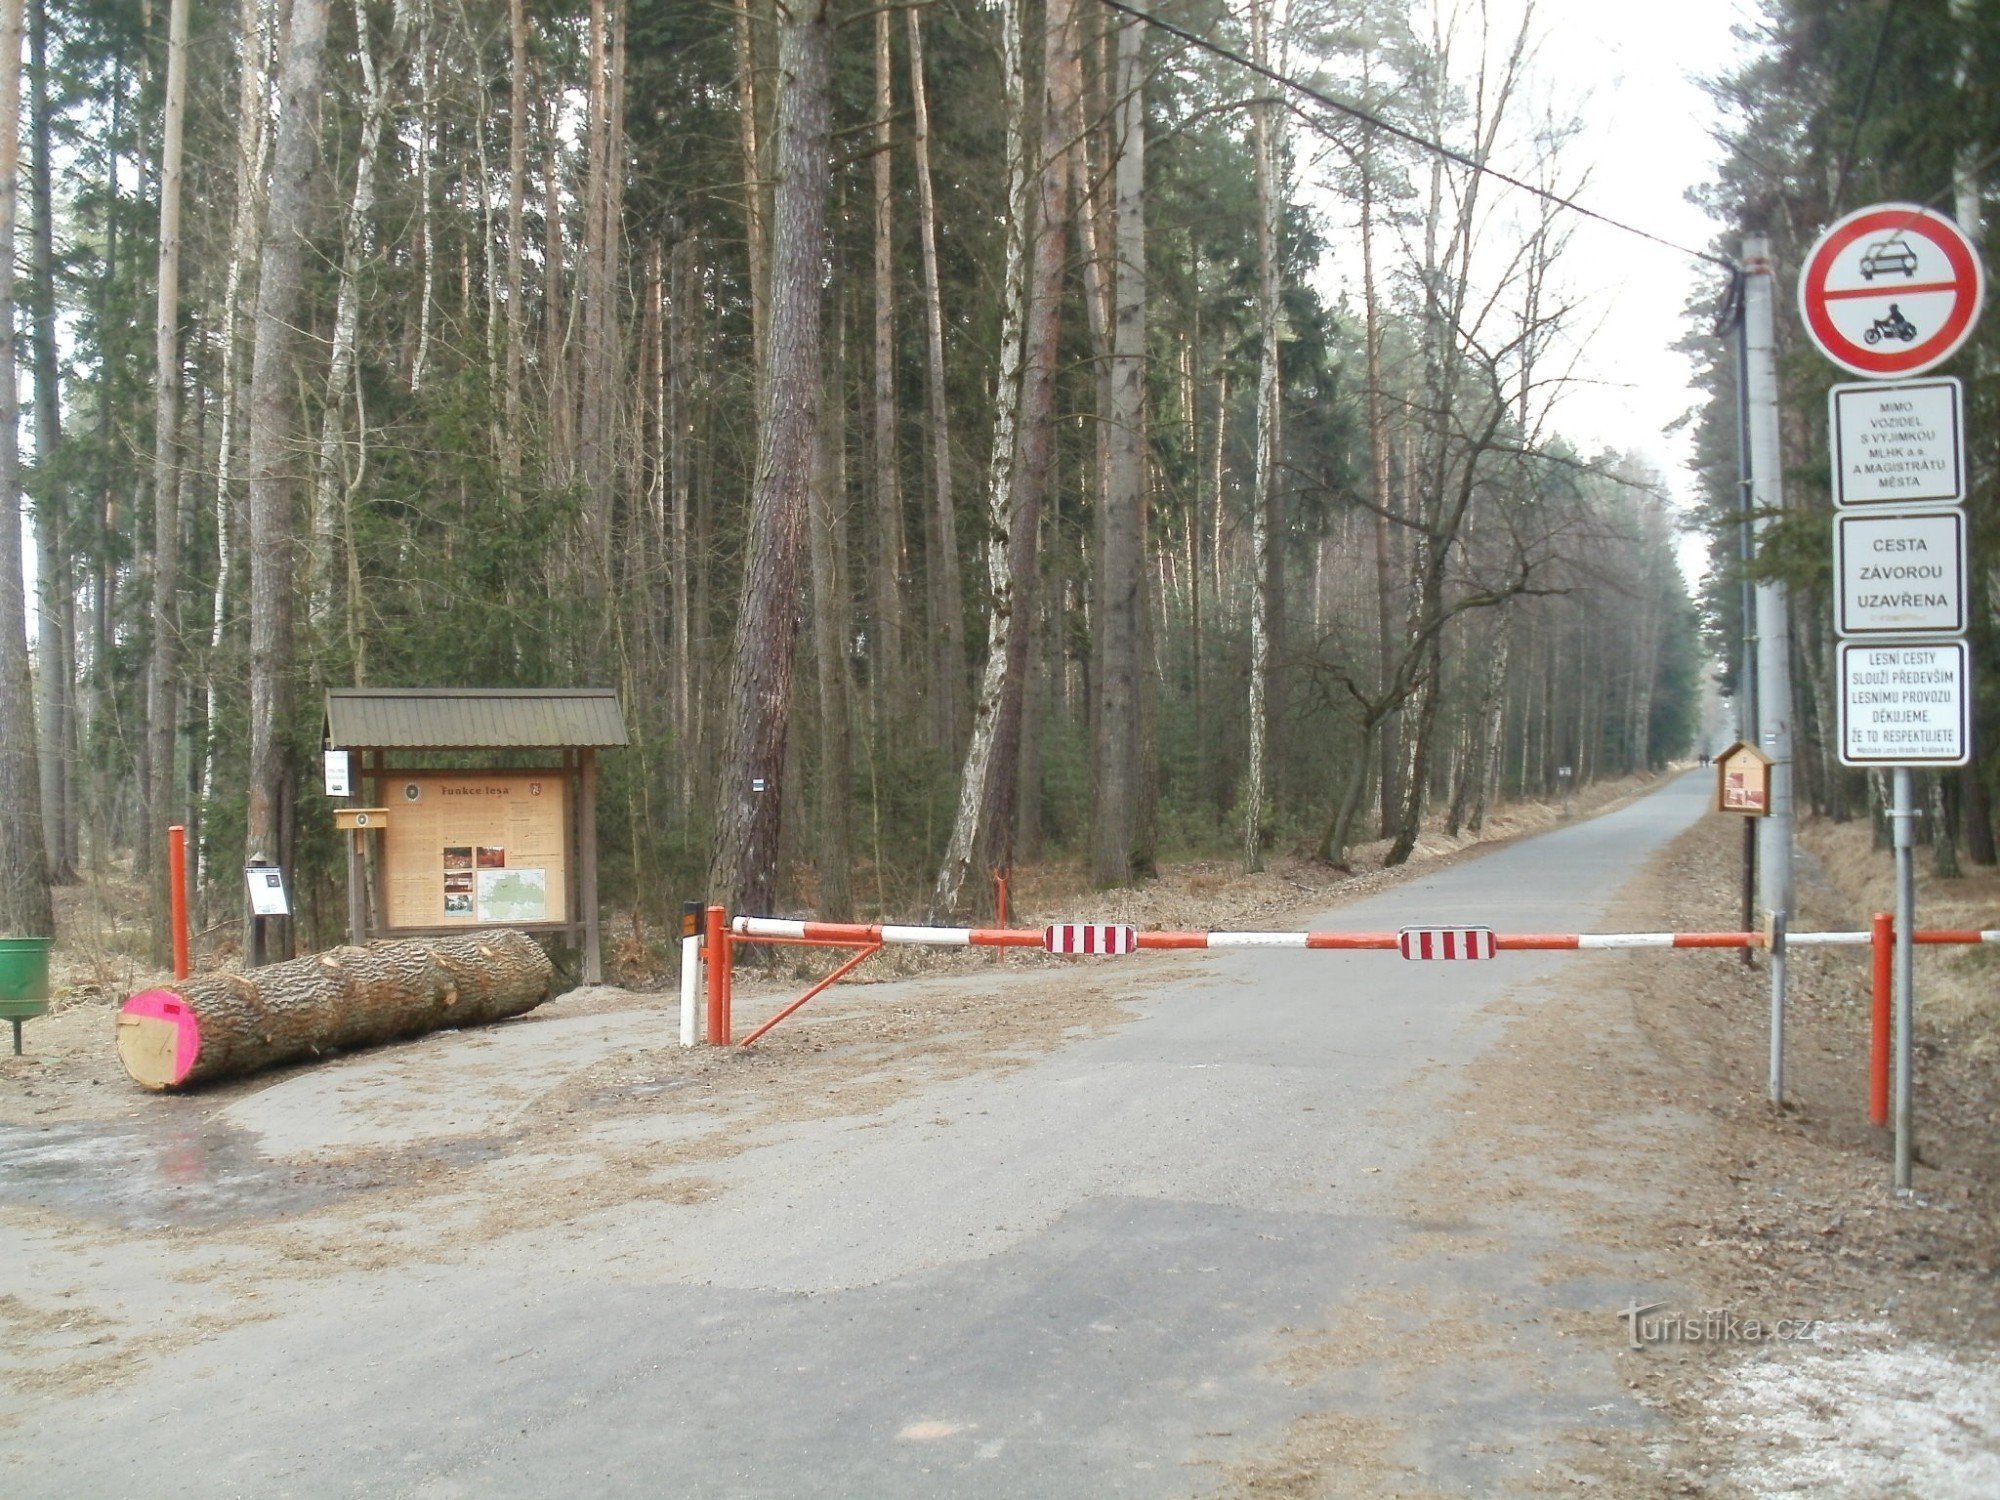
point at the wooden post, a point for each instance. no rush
(356, 915)
(177, 897)
(593, 958)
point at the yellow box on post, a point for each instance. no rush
(360, 819)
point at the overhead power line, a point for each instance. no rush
(1422, 143)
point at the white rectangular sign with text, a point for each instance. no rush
(1899, 572)
(1904, 703)
(1898, 442)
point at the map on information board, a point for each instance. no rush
(513, 895)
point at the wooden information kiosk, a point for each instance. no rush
(436, 847)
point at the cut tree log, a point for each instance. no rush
(224, 1025)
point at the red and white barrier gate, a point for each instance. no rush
(1447, 942)
(1089, 937)
(715, 950)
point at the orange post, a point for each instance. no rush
(716, 951)
(177, 897)
(1882, 942)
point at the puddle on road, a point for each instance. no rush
(195, 1175)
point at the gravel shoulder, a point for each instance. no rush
(1626, 1114)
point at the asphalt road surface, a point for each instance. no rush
(1077, 1278)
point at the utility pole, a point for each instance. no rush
(1774, 627)
(1746, 556)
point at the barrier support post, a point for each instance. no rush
(718, 955)
(1000, 910)
(177, 897)
(1882, 945)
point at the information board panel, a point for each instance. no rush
(1904, 703)
(481, 848)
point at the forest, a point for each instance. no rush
(997, 430)
(1839, 106)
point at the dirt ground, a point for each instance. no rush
(1633, 1100)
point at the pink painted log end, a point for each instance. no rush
(158, 1038)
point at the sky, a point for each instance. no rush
(1628, 72)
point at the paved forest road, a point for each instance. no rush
(1078, 1278)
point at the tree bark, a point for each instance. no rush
(947, 625)
(1263, 505)
(977, 767)
(1122, 591)
(273, 439)
(225, 1025)
(233, 396)
(56, 594)
(835, 855)
(163, 686)
(743, 869)
(25, 908)
(517, 199)
(1035, 443)
(886, 648)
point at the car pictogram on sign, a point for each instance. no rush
(1884, 256)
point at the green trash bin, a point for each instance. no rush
(24, 980)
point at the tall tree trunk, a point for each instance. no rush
(743, 869)
(679, 277)
(1035, 445)
(947, 623)
(1382, 488)
(56, 594)
(753, 187)
(25, 908)
(1122, 590)
(427, 66)
(517, 201)
(886, 646)
(600, 259)
(1263, 506)
(252, 71)
(329, 481)
(273, 440)
(978, 765)
(835, 855)
(163, 685)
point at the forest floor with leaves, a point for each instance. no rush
(1656, 1147)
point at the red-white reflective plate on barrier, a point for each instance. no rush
(1446, 942)
(1090, 937)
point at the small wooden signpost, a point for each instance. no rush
(1743, 781)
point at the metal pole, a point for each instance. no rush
(1778, 963)
(1774, 631)
(1903, 820)
(1746, 665)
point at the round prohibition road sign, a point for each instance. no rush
(1891, 290)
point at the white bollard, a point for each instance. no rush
(690, 982)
